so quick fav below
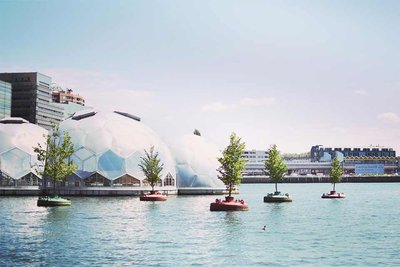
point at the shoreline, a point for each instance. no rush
(323, 179)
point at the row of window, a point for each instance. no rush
(92, 181)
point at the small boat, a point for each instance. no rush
(333, 194)
(153, 196)
(229, 204)
(53, 201)
(277, 197)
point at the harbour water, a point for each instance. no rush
(361, 230)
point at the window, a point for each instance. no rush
(169, 180)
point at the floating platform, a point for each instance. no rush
(153, 196)
(277, 197)
(53, 201)
(333, 194)
(229, 204)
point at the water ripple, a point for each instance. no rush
(183, 232)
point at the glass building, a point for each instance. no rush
(5, 99)
(32, 99)
(109, 147)
(18, 161)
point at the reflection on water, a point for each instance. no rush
(232, 219)
(182, 230)
(57, 214)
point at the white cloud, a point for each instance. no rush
(243, 102)
(389, 117)
(256, 102)
(215, 106)
(360, 92)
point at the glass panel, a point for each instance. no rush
(111, 165)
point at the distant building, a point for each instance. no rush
(254, 162)
(5, 100)
(255, 155)
(31, 98)
(363, 161)
(319, 153)
(372, 160)
(67, 96)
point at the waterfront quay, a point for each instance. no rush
(324, 179)
(107, 191)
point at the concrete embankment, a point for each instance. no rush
(316, 179)
(20, 191)
(113, 192)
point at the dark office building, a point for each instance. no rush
(31, 98)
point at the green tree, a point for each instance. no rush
(151, 167)
(196, 132)
(275, 168)
(232, 163)
(56, 157)
(335, 172)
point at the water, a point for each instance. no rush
(361, 230)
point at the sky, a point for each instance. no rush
(290, 73)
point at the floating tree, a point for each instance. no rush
(232, 163)
(335, 175)
(55, 158)
(276, 169)
(335, 172)
(230, 173)
(151, 167)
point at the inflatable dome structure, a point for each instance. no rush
(109, 146)
(196, 162)
(18, 161)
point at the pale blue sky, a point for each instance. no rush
(293, 73)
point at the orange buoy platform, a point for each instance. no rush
(333, 194)
(153, 196)
(229, 204)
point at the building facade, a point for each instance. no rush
(5, 100)
(355, 161)
(67, 96)
(31, 98)
(319, 153)
(109, 146)
(374, 160)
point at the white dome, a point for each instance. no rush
(196, 162)
(17, 139)
(112, 144)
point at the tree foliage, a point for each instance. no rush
(275, 168)
(196, 132)
(335, 172)
(232, 163)
(55, 158)
(151, 167)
